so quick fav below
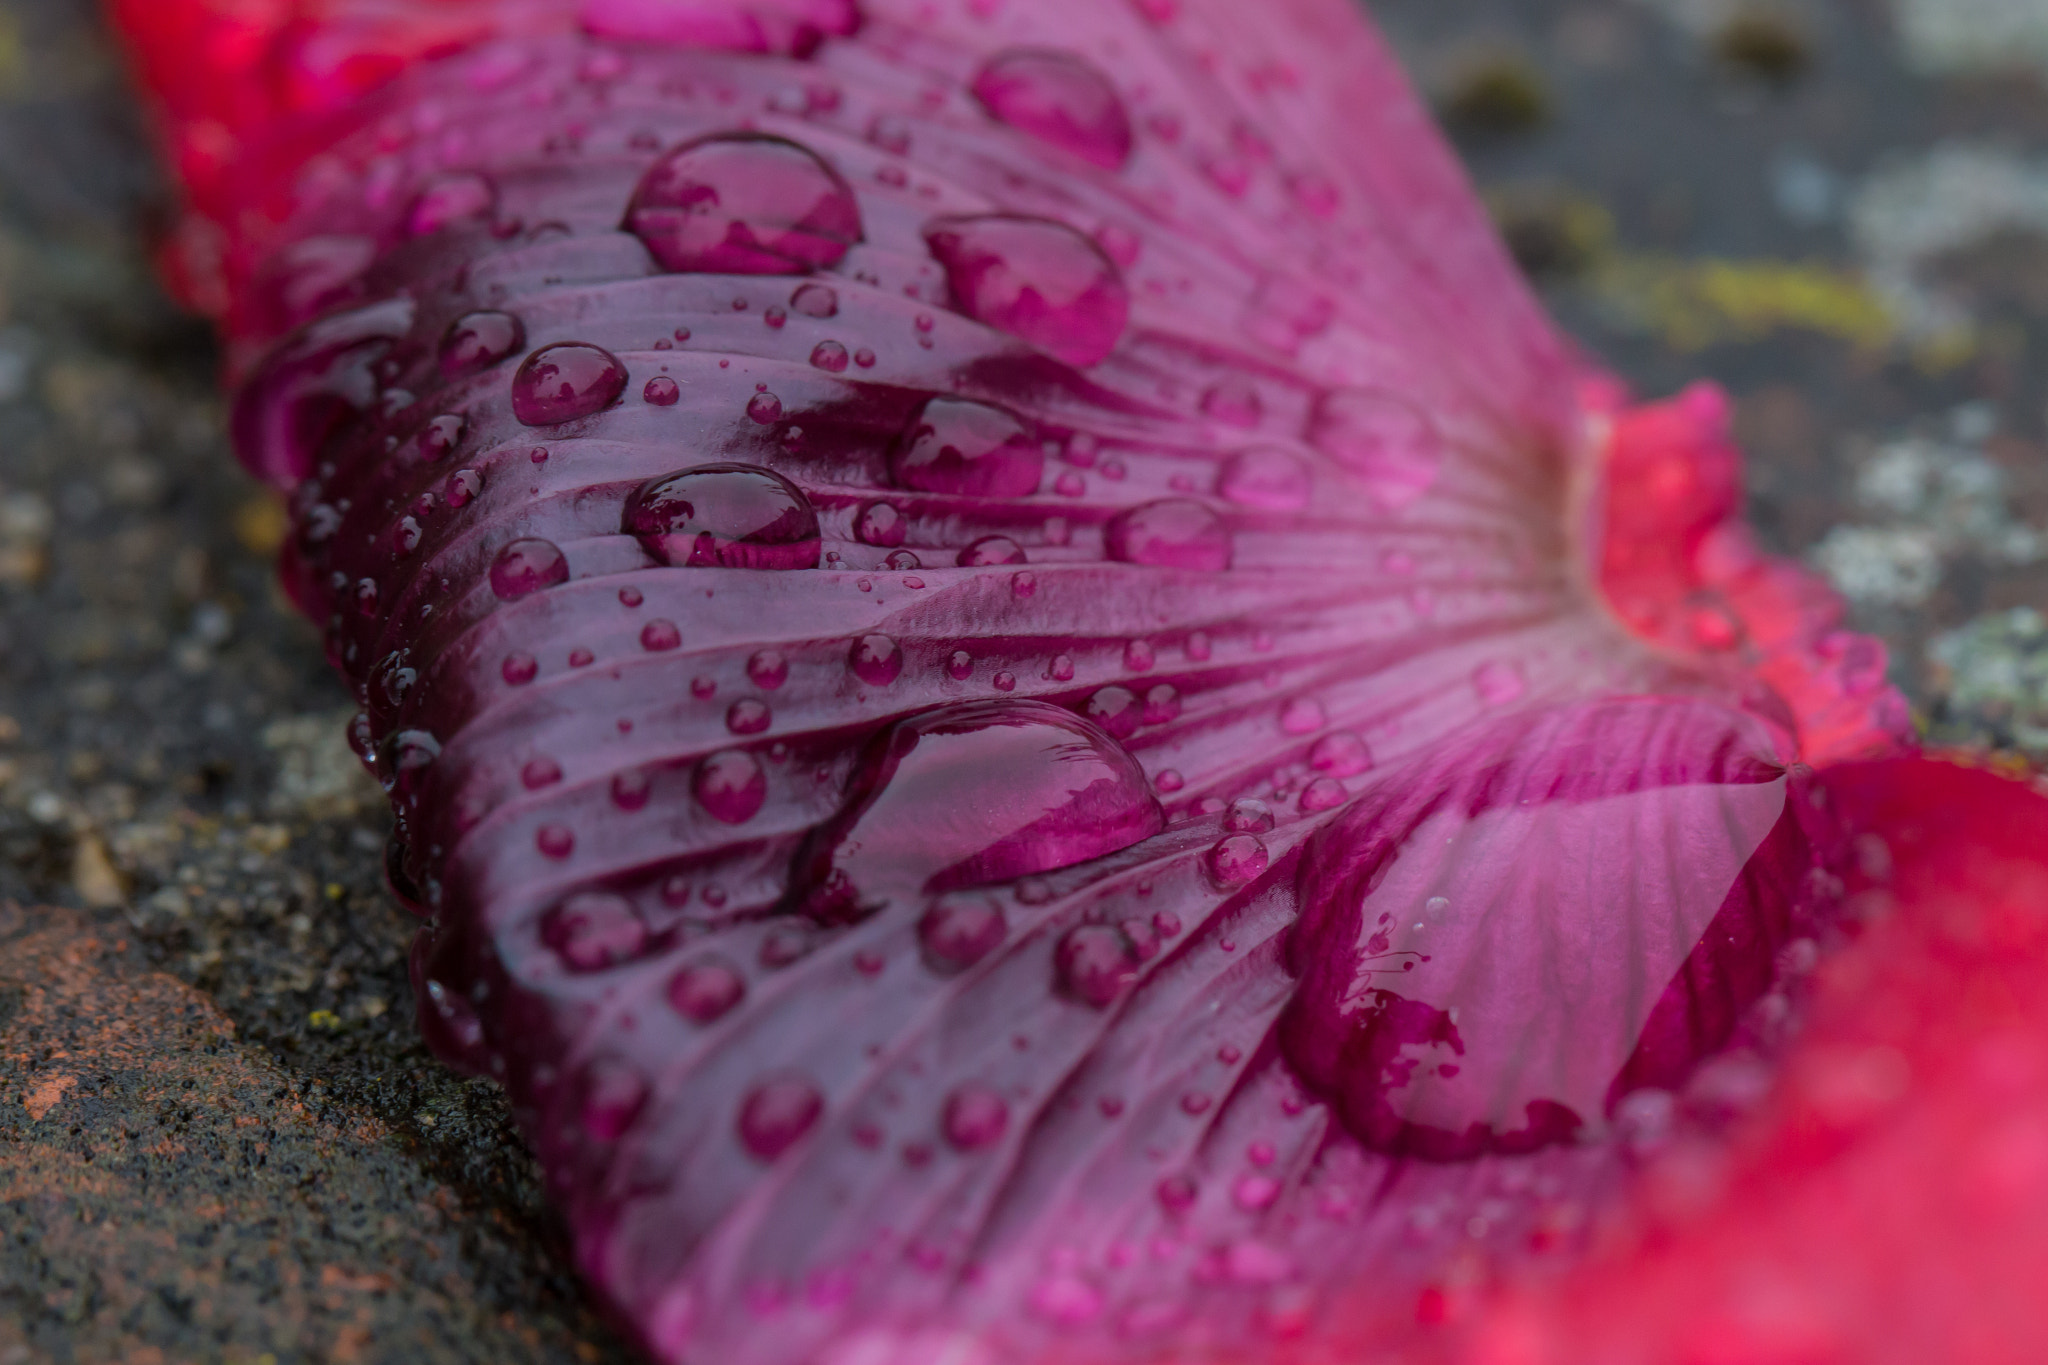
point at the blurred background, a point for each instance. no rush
(219, 1140)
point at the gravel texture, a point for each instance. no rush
(220, 1139)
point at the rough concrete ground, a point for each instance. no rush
(219, 1137)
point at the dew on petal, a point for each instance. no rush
(1117, 710)
(975, 1117)
(960, 665)
(730, 786)
(1036, 279)
(1248, 815)
(706, 990)
(1175, 533)
(776, 1114)
(1342, 754)
(815, 301)
(1267, 478)
(540, 772)
(562, 382)
(631, 789)
(526, 567)
(876, 660)
(519, 669)
(922, 816)
(462, 487)
(477, 341)
(1058, 98)
(1237, 859)
(594, 931)
(450, 199)
(1095, 963)
(661, 392)
(1234, 401)
(556, 841)
(956, 934)
(960, 447)
(1162, 704)
(744, 204)
(882, 525)
(748, 716)
(1324, 793)
(1392, 447)
(830, 356)
(990, 550)
(659, 636)
(1302, 716)
(734, 516)
(767, 669)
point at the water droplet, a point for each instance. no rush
(1004, 681)
(462, 487)
(1255, 1193)
(1036, 279)
(744, 204)
(1342, 754)
(563, 382)
(1237, 859)
(612, 1099)
(1060, 99)
(768, 669)
(1391, 445)
(659, 636)
(1499, 683)
(1199, 647)
(876, 660)
(631, 597)
(594, 931)
(703, 688)
(765, 408)
(556, 841)
(815, 301)
(477, 341)
(1302, 716)
(957, 934)
(777, 1113)
(864, 358)
(1176, 533)
(975, 1117)
(1266, 478)
(902, 560)
(730, 786)
(991, 550)
(1248, 815)
(367, 597)
(519, 669)
(450, 199)
(1177, 1193)
(540, 772)
(661, 391)
(960, 665)
(748, 716)
(405, 538)
(1169, 780)
(1234, 401)
(581, 658)
(526, 567)
(960, 447)
(775, 317)
(882, 525)
(734, 516)
(830, 357)
(1061, 669)
(1067, 1299)
(1162, 704)
(440, 436)
(1117, 710)
(1023, 585)
(706, 990)
(1325, 793)
(922, 815)
(631, 788)
(1095, 963)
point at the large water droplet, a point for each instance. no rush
(476, 341)
(882, 525)
(815, 301)
(1343, 754)
(593, 931)
(1176, 533)
(1058, 98)
(975, 1117)
(735, 516)
(1095, 963)
(1390, 444)
(526, 567)
(744, 204)
(1117, 710)
(955, 934)
(706, 990)
(991, 550)
(961, 447)
(876, 660)
(777, 1113)
(730, 786)
(971, 794)
(1302, 716)
(1035, 279)
(563, 382)
(1267, 478)
(1237, 859)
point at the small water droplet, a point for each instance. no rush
(991, 550)
(1237, 859)
(775, 317)
(631, 597)
(730, 786)
(1499, 683)
(593, 931)
(581, 658)
(477, 341)
(957, 934)
(1169, 780)
(765, 408)
(526, 567)
(1255, 1193)
(1115, 709)
(748, 717)
(562, 382)
(612, 1099)
(829, 356)
(1176, 533)
(1095, 963)
(815, 301)
(556, 841)
(744, 203)
(1036, 279)
(1266, 478)
(1391, 445)
(1060, 99)
(1177, 1193)
(975, 1117)
(659, 636)
(1234, 401)
(1248, 815)
(706, 990)
(1325, 793)
(1196, 1102)
(661, 391)
(776, 1114)
(1023, 585)
(876, 660)
(768, 669)
(703, 688)
(959, 447)
(882, 525)
(406, 537)
(1342, 754)
(540, 772)
(1139, 657)
(1162, 704)
(734, 516)
(960, 666)
(1061, 669)
(462, 487)
(1302, 716)
(631, 788)
(902, 561)
(519, 669)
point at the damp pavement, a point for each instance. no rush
(220, 1138)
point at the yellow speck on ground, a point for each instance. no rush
(323, 1019)
(93, 875)
(261, 523)
(1693, 304)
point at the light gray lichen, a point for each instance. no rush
(1991, 682)
(1940, 37)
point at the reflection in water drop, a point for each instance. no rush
(744, 204)
(1036, 279)
(961, 447)
(734, 516)
(1060, 99)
